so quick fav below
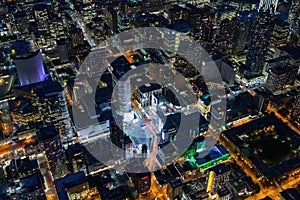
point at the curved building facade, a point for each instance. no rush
(30, 68)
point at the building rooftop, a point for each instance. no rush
(47, 133)
(6, 84)
(278, 59)
(180, 26)
(43, 89)
(69, 181)
(32, 183)
(216, 152)
(269, 168)
(284, 69)
(292, 51)
(290, 194)
(220, 169)
(120, 67)
(149, 87)
(175, 183)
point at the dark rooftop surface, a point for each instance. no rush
(68, 181)
(294, 52)
(283, 129)
(32, 183)
(47, 133)
(284, 70)
(149, 87)
(43, 89)
(6, 83)
(290, 194)
(120, 67)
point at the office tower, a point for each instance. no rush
(279, 78)
(268, 5)
(224, 12)
(5, 118)
(258, 44)
(76, 37)
(207, 34)
(62, 50)
(174, 189)
(225, 37)
(6, 83)
(41, 17)
(294, 21)
(117, 135)
(49, 138)
(227, 70)
(141, 181)
(195, 15)
(153, 5)
(30, 68)
(75, 186)
(280, 34)
(176, 13)
(241, 32)
(124, 96)
(296, 108)
(156, 72)
(47, 101)
(111, 19)
(140, 175)
(123, 21)
(21, 22)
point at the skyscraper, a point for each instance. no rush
(62, 50)
(30, 68)
(258, 44)
(47, 98)
(268, 5)
(296, 108)
(41, 17)
(280, 77)
(241, 32)
(280, 34)
(49, 138)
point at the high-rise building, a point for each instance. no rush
(268, 5)
(153, 5)
(174, 189)
(142, 180)
(195, 15)
(258, 44)
(47, 101)
(76, 37)
(176, 13)
(30, 68)
(123, 21)
(21, 22)
(225, 36)
(241, 32)
(207, 34)
(6, 83)
(296, 108)
(294, 21)
(280, 34)
(62, 50)
(279, 78)
(111, 18)
(41, 17)
(49, 138)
